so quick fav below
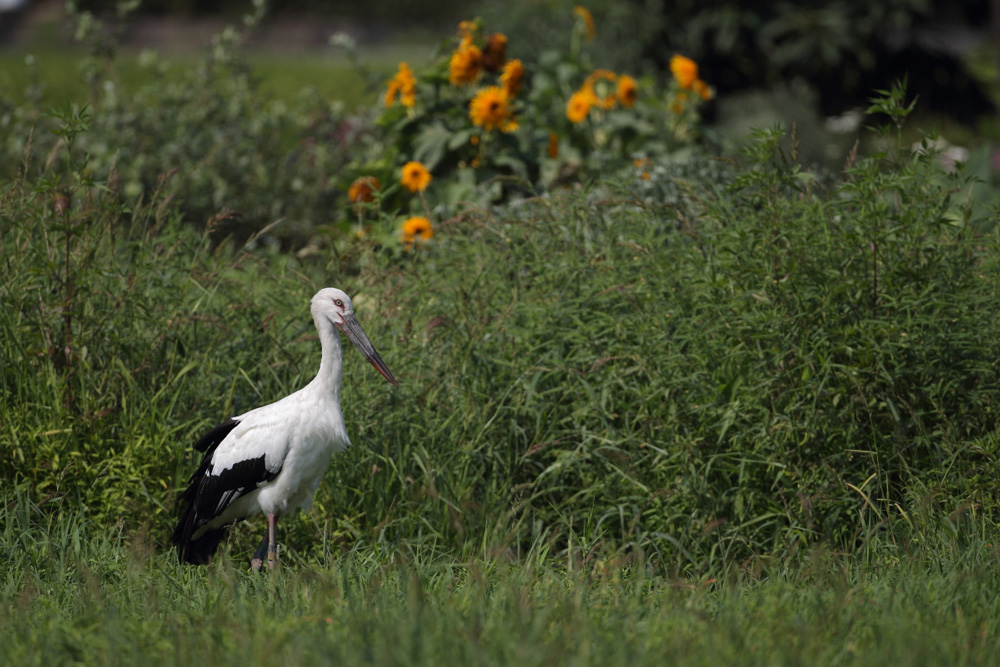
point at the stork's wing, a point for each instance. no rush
(240, 455)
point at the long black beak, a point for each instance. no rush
(356, 335)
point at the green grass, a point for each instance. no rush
(53, 58)
(77, 592)
(280, 76)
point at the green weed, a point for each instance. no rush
(74, 592)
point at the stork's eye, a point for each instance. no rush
(338, 303)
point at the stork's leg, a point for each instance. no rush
(258, 557)
(272, 546)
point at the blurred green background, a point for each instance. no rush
(797, 62)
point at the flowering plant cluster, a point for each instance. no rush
(475, 123)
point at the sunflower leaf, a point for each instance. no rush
(430, 145)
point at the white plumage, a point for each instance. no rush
(272, 459)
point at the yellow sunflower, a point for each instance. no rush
(685, 71)
(628, 90)
(602, 80)
(490, 110)
(415, 177)
(579, 105)
(702, 89)
(512, 76)
(588, 20)
(403, 83)
(495, 52)
(465, 63)
(417, 229)
(599, 75)
(363, 189)
(466, 29)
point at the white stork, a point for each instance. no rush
(272, 459)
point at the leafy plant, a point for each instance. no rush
(479, 121)
(271, 163)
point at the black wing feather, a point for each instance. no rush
(213, 438)
(208, 495)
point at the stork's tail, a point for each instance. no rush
(196, 551)
(199, 551)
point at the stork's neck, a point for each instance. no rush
(328, 378)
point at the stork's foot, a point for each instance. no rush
(266, 547)
(257, 562)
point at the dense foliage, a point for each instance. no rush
(838, 51)
(204, 135)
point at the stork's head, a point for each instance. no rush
(335, 306)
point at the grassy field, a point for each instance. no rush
(75, 593)
(684, 407)
(281, 76)
(48, 56)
